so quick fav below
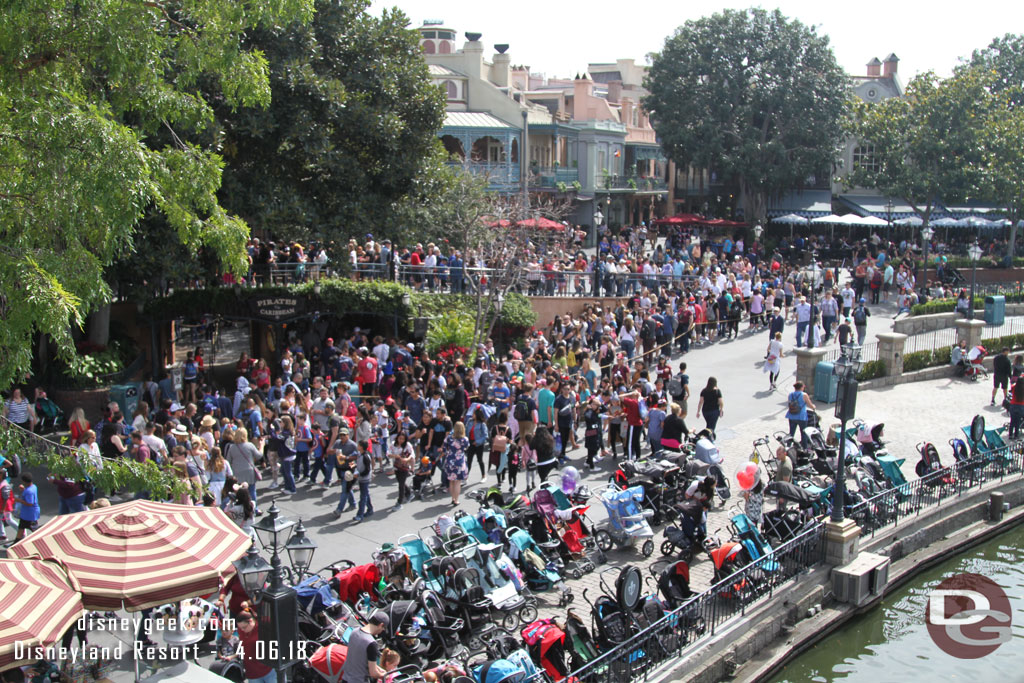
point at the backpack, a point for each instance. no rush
(860, 316)
(794, 404)
(522, 410)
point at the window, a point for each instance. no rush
(451, 90)
(864, 157)
(445, 48)
(428, 47)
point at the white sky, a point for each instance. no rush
(560, 37)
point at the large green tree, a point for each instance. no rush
(86, 90)
(1003, 136)
(351, 129)
(752, 95)
(928, 145)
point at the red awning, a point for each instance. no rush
(499, 224)
(680, 219)
(723, 223)
(541, 224)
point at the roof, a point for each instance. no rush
(438, 70)
(806, 203)
(538, 117)
(473, 119)
(876, 205)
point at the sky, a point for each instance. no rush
(559, 38)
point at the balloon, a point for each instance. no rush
(570, 477)
(747, 475)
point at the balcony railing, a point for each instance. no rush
(551, 176)
(617, 182)
(500, 174)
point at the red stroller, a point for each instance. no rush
(976, 363)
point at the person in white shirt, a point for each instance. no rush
(381, 351)
(803, 320)
(848, 295)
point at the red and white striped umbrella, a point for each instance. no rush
(141, 554)
(39, 601)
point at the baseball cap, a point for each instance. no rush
(380, 618)
(343, 430)
(863, 300)
(175, 407)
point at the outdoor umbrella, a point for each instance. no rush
(39, 601)
(872, 222)
(945, 222)
(680, 219)
(141, 554)
(974, 222)
(831, 218)
(791, 219)
(909, 222)
(541, 224)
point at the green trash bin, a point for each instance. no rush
(995, 310)
(127, 398)
(826, 383)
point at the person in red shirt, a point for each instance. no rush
(248, 637)
(366, 373)
(631, 407)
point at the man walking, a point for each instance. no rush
(803, 320)
(860, 320)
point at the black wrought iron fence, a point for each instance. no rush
(700, 617)
(898, 503)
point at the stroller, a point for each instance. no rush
(577, 526)
(929, 468)
(728, 558)
(547, 644)
(975, 368)
(784, 523)
(571, 549)
(756, 546)
(627, 521)
(674, 586)
(690, 533)
(583, 648)
(540, 574)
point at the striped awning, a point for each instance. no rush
(39, 601)
(141, 554)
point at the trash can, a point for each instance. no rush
(995, 310)
(826, 383)
(127, 397)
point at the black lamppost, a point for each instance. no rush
(888, 228)
(276, 602)
(406, 301)
(846, 369)
(814, 285)
(499, 303)
(974, 251)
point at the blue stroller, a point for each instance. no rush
(627, 520)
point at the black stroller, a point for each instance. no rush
(930, 468)
(688, 535)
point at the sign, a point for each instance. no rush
(276, 309)
(968, 616)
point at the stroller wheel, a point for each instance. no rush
(604, 540)
(509, 621)
(667, 548)
(577, 574)
(527, 614)
(648, 548)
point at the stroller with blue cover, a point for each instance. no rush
(540, 571)
(627, 520)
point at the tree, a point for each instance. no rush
(84, 89)
(350, 131)
(750, 94)
(1003, 182)
(927, 145)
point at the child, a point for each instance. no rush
(379, 439)
(423, 472)
(6, 503)
(528, 461)
(389, 660)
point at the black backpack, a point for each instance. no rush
(522, 410)
(860, 315)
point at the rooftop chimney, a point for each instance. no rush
(874, 67)
(501, 67)
(583, 90)
(614, 91)
(889, 65)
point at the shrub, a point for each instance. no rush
(450, 331)
(871, 370)
(918, 360)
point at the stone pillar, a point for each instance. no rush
(890, 352)
(806, 361)
(969, 331)
(841, 539)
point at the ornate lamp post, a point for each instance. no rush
(846, 369)
(926, 237)
(888, 228)
(758, 231)
(499, 303)
(974, 251)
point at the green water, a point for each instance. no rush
(891, 642)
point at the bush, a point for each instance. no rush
(450, 331)
(949, 305)
(871, 370)
(919, 360)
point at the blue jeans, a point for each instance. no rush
(346, 496)
(365, 504)
(629, 346)
(802, 424)
(801, 328)
(301, 464)
(72, 504)
(320, 465)
(269, 678)
(827, 321)
(289, 476)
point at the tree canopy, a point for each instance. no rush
(349, 133)
(928, 145)
(752, 95)
(89, 92)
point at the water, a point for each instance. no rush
(891, 642)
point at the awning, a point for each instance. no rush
(806, 203)
(876, 205)
(644, 152)
(680, 219)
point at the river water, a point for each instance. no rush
(891, 642)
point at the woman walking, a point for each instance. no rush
(402, 456)
(711, 405)
(773, 364)
(478, 440)
(455, 467)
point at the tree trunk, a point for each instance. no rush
(99, 326)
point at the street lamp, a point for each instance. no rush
(814, 285)
(758, 231)
(846, 369)
(974, 251)
(499, 303)
(926, 237)
(888, 228)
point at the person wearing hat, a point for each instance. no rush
(860, 316)
(343, 450)
(364, 651)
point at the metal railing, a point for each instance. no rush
(868, 352)
(695, 621)
(550, 176)
(908, 500)
(1010, 326)
(928, 341)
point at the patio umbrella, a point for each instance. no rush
(831, 218)
(873, 222)
(909, 222)
(39, 601)
(791, 219)
(541, 223)
(945, 222)
(680, 219)
(974, 222)
(141, 554)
